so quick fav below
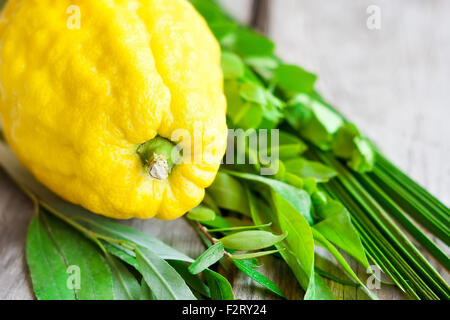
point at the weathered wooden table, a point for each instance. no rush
(394, 82)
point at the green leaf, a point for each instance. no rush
(123, 254)
(218, 222)
(294, 79)
(298, 199)
(254, 93)
(247, 267)
(251, 240)
(246, 256)
(207, 258)
(240, 228)
(146, 293)
(248, 116)
(310, 169)
(338, 229)
(343, 144)
(96, 280)
(323, 242)
(121, 232)
(300, 238)
(229, 194)
(192, 280)
(318, 290)
(2, 3)
(222, 29)
(313, 119)
(232, 65)
(290, 146)
(363, 157)
(163, 280)
(264, 66)
(249, 43)
(218, 285)
(47, 268)
(126, 287)
(201, 213)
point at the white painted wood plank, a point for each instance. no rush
(393, 82)
(239, 9)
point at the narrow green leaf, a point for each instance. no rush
(126, 287)
(122, 253)
(163, 280)
(229, 194)
(96, 280)
(47, 268)
(219, 286)
(323, 242)
(300, 238)
(289, 146)
(207, 258)
(318, 289)
(251, 240)
(310, 169)
(298, 199)
(339, 229)
(201, 213)
(241, 228)
(247, 268)
(146, 293)
(246, 256)
(218, 222)
(192, 280)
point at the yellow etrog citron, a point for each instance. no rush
(93, 92)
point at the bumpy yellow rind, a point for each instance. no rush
(76, 102)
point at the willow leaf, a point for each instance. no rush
(161, 277)
(323, 242)
(298, 199)
(123, 254)
(218, 285)
(229, 194)
(193, 281)
(47, 268)
(96, 280)
(207, 258)
(339, 229)
(247, 268)
(126, 286)
(251, 240)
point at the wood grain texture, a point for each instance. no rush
(392, 82)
